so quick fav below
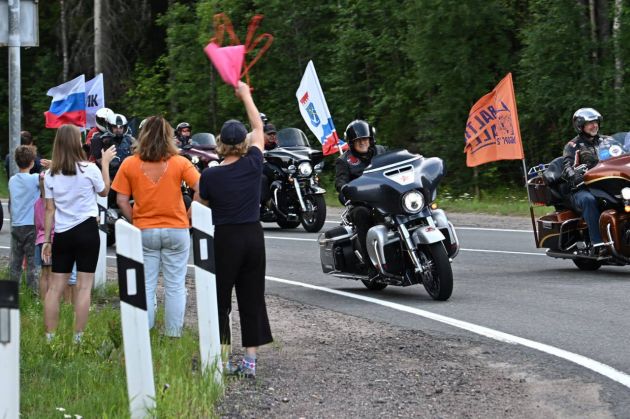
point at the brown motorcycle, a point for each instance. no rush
(564, 232)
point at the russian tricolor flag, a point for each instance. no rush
(68, 104)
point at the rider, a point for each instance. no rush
(269, 174)
(183, 132)
(580, 154)
(350, 165)
(117, 135)
(101, 126)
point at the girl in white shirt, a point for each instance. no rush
(71, 186)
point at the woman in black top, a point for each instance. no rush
(232, 191)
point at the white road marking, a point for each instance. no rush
(591, 364)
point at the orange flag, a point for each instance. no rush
(492, 131)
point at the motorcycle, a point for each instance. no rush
(201, 152)
(296, 195)
(563, 232)
(412, 243)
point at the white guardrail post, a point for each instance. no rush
(135, 320)
(100, 275)
(206, 290)
(9, 350)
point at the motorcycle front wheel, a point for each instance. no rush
(587, 264)
(314, 217)
(438, 281)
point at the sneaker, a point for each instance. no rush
(238, 370)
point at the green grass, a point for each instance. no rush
(4, 184)
(89, 379)
(500, 201)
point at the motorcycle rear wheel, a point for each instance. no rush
(314, 220)
(587, 264)
(439, 281)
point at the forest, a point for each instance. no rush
(412, 68)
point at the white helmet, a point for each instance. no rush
(117, 120)
(102, 115)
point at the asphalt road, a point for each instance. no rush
(501, 281)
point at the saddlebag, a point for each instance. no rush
(335, 250)
(560, 229)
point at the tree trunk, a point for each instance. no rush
(98, 37)
(64, 40)
(593, 18)
(618, 83)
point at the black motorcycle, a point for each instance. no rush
(412, 242)
(201, 151)
(296, 196)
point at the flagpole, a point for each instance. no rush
(531, 207)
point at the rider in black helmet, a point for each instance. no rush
(350, 165)
(581, 154)
(183, 132)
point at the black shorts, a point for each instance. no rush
(80, 244)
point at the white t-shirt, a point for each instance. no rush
(75, 196)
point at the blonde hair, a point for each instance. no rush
(156, 141)
(67, 151)
(225, 150)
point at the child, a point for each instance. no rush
(45, 266)
(23, 192)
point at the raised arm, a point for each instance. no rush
(257, 137)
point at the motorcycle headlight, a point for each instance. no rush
(413, 202)
(319, 167)
(625, 194)
(305, 169)
(195, 159)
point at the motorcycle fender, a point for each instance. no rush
(427, 235)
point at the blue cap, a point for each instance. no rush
(233, 132)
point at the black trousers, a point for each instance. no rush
(362, 219)
(240, 263)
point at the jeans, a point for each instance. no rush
(586, 203)
(166, 249)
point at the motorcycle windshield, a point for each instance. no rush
(393, 174)
(609, 147)
(204, 139)
(292, 137)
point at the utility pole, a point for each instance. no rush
(98, 37)
(15, 95)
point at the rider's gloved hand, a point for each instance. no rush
(575, 176)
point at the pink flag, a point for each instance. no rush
(227, 60)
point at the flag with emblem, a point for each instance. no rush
(492, 130)
(315, 112)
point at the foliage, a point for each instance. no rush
(413, 68)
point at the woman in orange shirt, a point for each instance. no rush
(153, 176)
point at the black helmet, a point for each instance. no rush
(359, 129)
(181, 126)
(584, 115)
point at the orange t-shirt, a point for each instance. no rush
(159, 203)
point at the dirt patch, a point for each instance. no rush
(328, 364)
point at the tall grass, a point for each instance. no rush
(63, 378)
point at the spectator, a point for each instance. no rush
(45, 267)
(232, 190)
(71, 186)
(27, 139)
(153, 175)
(23, 192)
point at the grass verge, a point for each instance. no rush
(63, 378)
